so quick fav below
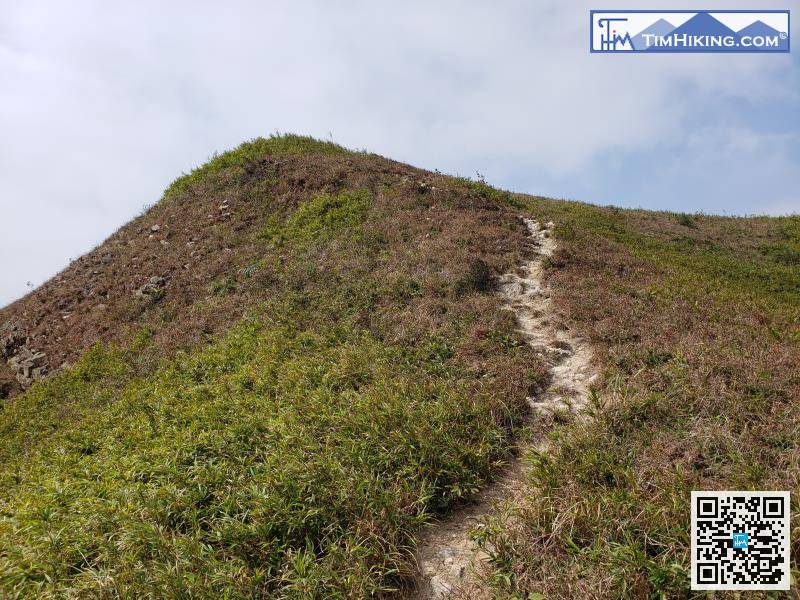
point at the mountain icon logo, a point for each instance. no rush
(683, 31)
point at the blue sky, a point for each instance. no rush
(101, 106)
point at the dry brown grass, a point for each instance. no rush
(697, 324)
(429, 237)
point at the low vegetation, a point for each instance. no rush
(696, 321)
(327, 367)
(277, 460)
(249, 152)
(373, 383)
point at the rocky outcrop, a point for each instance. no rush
(12, 342)
(153, 290)
(27, 363)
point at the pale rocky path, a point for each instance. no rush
(448, 562)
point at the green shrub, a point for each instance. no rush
(477, 279)
(319, 218)
(326, 214)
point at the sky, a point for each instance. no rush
(103, 104)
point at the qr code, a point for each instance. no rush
(740, 540)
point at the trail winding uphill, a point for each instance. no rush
(448, 560)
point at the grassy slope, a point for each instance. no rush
(373, 382)
(696, 320)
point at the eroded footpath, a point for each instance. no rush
(448, 561)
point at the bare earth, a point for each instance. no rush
(448, 561)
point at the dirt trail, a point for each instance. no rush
(447, 560)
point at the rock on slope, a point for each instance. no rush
(198, 244)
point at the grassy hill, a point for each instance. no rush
(267, 383)
(696, 322)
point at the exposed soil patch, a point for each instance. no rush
(449, 561)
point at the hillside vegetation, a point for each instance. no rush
(266, 384)
(318, 367)
(696, 322)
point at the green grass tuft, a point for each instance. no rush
(248, 152)
(320, 218)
